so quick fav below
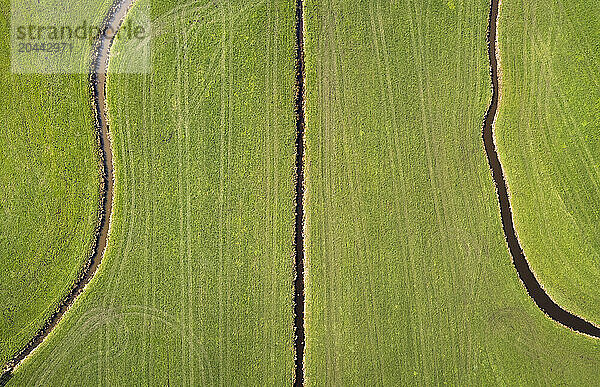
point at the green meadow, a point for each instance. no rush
(549, 144)
(50, 190)
(196, 284)
(409, 280)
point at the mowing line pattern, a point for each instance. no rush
(533, 287)
(299, 225)
(98, 69)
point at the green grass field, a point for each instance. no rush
(196, 286)
(409, 280)
(49, 181)
(408, 277)
(547, 135)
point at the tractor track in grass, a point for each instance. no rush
(533, 287)
(97, 84)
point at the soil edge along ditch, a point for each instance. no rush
(533, 287)
(98, 71)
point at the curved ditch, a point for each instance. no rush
(98, 71)
(533, 287)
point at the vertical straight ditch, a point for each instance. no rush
(299, 222)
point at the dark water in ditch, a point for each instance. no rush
(299, 237)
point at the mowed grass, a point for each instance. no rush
(409, 280)
(196, 287)
(49, 181)
(549, 143)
